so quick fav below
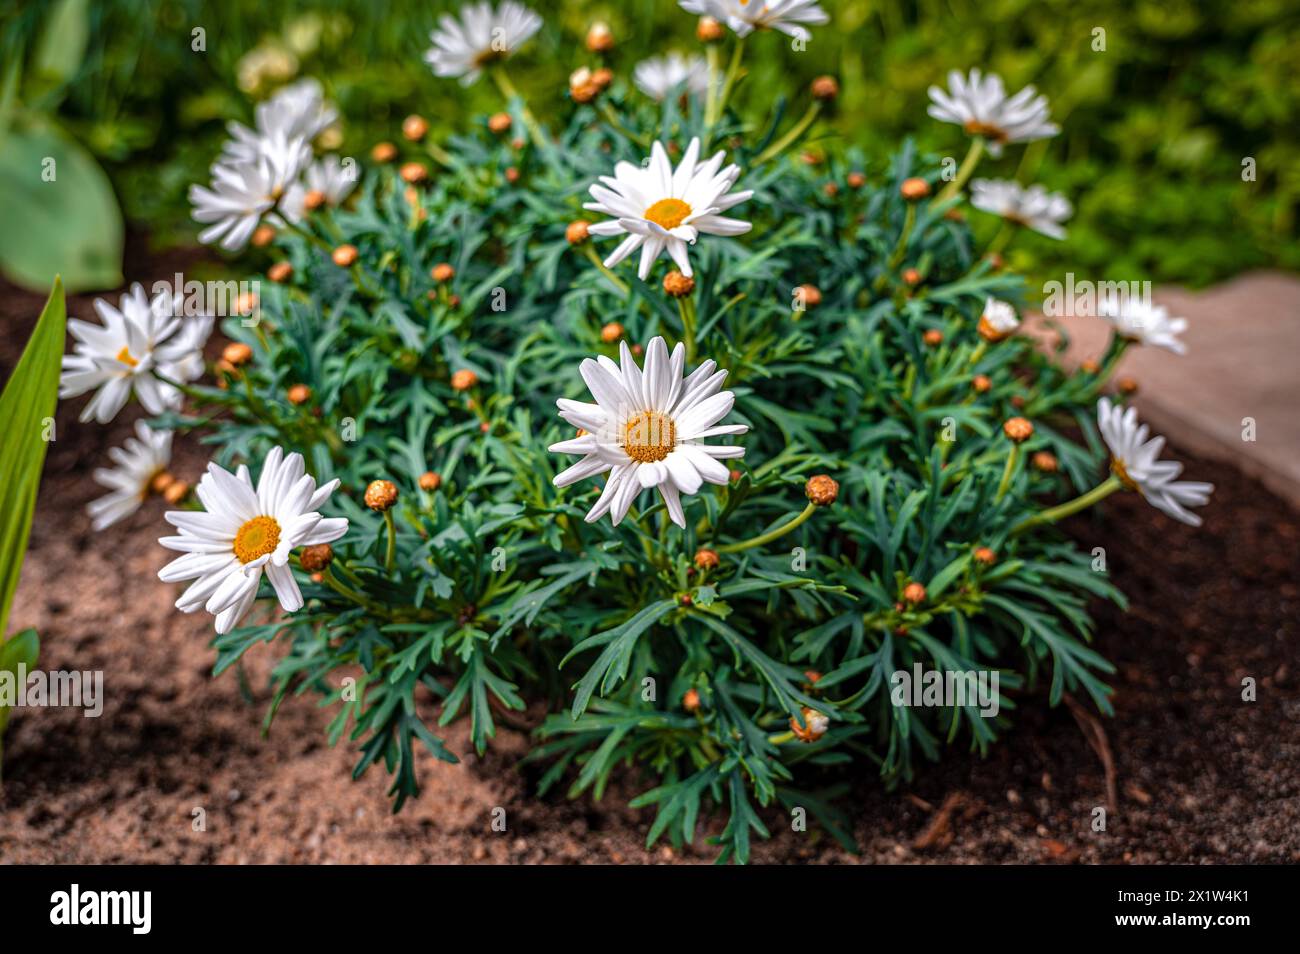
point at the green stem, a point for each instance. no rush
(510, 93)
(686, 308)
(1003, 238)
(330, 580)
(1007, 472)
(791, 137)
(771, 535)
(390, 554)
(964, 171)
(611, 117)
(614, 279)
(720, 102)
(1061, 511)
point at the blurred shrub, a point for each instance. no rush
(1156, 126)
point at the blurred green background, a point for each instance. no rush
(1156, 125)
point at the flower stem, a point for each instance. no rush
(1003, 238)
(390, 554)
(964, 171)
(508, 90)
(614, 279)
(1061, 511)
(720, 101)
(1008, 472)
(771, 535)
(791, 137)
(611, 117)
(686, 308)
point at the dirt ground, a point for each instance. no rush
(1198, 774)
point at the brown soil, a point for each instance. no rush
(1199, 775)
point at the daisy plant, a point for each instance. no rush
(681, 520)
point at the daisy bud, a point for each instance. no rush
(995, 260)
(313, 200)
(813, 677)
(708, 30)
(236, 353)
(1018, 429)
(856, 180)
(810, 296)
(280, 272)
(512, 175)
(315, 558)
(684, 600)
(985, 556)
(246, 304)
(831, 190)
(442, 273)
(413, 172)
(602, 77)
(825, 88)
(160, 482)
(454, 301)
(914, 189)
(914, 593)
(316, 577)
(1044, 461)
(911, 277)
(810, 158)
(814, 725)
(981, 383)
(1018, 401)
(1090, 367)
(464, 379)
(380, 495)
(299, 394)
(822, 490)
(577, 232)
(429, 481)
(225, 369)
(706, 559)
(933, 337)
(691, 700)
(344, 255)
(175, 492)
(383, 152)
(612, 332)
(600, 38)
(955, 215)
(517, 143)
(263, 236)
(415, 128)
(678, 285)
(584, 93)
(499, 123)
(485, 428)
(734, 475)
(1127, 386)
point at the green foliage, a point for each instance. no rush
(50, 183)
(1158, 123)
(27, 408)
(499, 592)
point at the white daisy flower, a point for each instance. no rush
(658, 208)
(1145, 322)
(117, 357)
(746, 16)
(1034, 207)
(329, 177)
(1135, 461)
(141, 459)
(299, 110)
(998, 320)
(980, 105)
(242, 192)
(647, 428)
(481, 36)
(243, 531)
(661, 76)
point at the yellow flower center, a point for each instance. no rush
(668, 213)
(987, 130)
(649, 437)
(125, 357)
(257, 538)
(1117, 468)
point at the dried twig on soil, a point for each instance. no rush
(1095, 733)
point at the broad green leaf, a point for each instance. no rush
(27, 410)
(61, 214)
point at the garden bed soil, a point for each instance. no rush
(1197, 774)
